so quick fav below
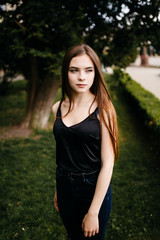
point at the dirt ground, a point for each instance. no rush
(14, 132)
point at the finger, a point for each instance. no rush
(89, 234)
(85, 233)
(57, 208)
(56, 204)
(97, 230)
(82, 226)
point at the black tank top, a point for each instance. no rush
(78, 147)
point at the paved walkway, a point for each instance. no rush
(148, 77)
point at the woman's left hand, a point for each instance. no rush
(90, 224)
(56, 201)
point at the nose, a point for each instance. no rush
(82, 76)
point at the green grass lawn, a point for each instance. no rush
(12, 105)
(27, 179)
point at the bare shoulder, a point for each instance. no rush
(55, 108)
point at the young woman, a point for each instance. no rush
(86, 137)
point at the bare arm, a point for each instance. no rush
(90, 224)
(54, 110)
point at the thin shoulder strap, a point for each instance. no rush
(96, 111)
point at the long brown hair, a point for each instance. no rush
(98, 89)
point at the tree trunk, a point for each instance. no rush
(44, 102)
(40, 96)
(33, 84)
(144, 57)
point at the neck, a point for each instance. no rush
(82, 98)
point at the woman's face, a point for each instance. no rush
(81, 73)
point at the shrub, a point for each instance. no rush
(146, 103)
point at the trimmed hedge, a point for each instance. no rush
(147, 104)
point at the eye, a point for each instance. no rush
(73, 70)
(89, 70)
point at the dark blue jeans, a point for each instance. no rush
(74, 194)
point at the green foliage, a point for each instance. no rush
(146, 103)
(4, 87)
(45, 29)
(40, 29)
(123, 49)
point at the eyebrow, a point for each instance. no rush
(72, 67)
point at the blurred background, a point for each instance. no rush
(34, 36)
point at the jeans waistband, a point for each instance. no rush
(75, 175)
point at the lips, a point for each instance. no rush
(81, 85)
